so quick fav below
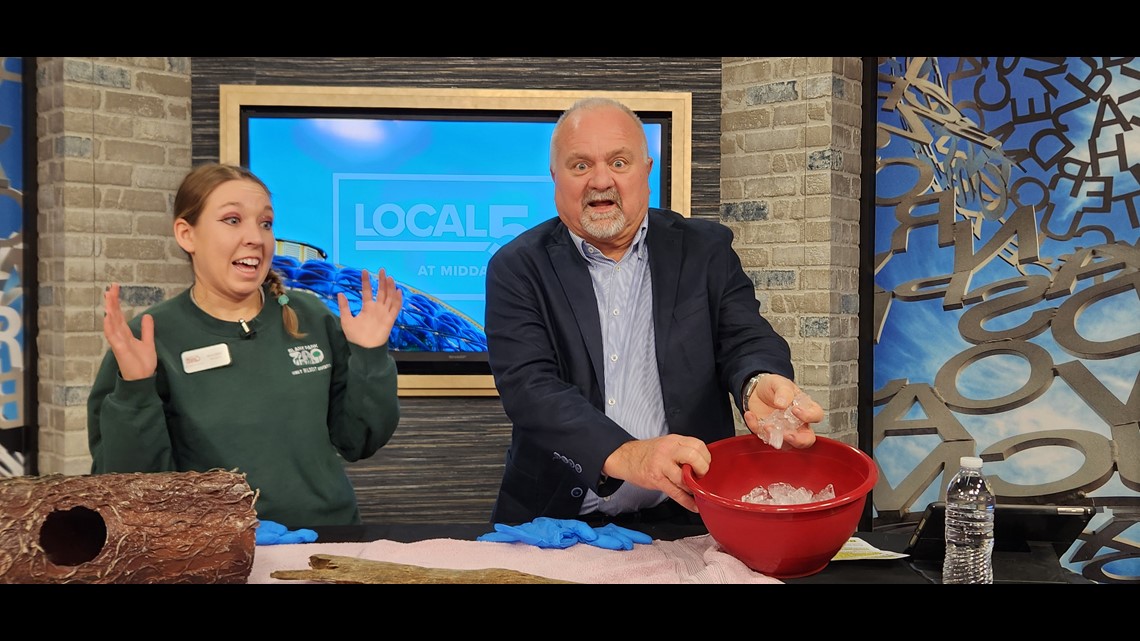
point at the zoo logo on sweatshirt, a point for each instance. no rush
(309, 358)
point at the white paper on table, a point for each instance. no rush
(856, 549)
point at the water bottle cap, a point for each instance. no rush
(972, 462)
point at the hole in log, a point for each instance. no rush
(74, 536)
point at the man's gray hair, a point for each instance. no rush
(595, 103)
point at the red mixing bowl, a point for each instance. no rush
(782, 541)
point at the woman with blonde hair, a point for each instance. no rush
(235, 373)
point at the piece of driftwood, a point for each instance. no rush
(162, 527)
(346, 569)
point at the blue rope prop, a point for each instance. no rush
(424, 323)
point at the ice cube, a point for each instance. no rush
(775, 425)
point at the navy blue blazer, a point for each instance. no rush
(545, 350)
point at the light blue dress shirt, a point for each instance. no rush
(624, 293)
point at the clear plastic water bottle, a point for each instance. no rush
(969, 526)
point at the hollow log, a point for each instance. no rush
(161, 527)
(346, 569)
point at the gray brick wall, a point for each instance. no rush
(114, 140)
(790, 192)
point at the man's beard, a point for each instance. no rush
(603, 226)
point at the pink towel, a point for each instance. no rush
(697, 559)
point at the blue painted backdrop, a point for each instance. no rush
(1007, 321)
(12, 366)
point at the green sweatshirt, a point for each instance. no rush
(284, 411)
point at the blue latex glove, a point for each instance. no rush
(616, 537)
(272, 533)
(546, 532)
(543, 532)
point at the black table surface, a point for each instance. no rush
(1037, 563)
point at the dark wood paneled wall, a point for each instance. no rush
(700, 76)
(444, 462)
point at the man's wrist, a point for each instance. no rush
(750, 387)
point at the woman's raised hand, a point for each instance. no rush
(372, 326)
(136, 357)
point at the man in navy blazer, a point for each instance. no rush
(619, 336)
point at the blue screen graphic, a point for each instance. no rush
(429, 201)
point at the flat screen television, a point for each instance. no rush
(426, 184)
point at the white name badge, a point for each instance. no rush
(196, 360)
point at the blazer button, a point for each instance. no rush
(576, 492)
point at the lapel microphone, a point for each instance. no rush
(246, 331)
